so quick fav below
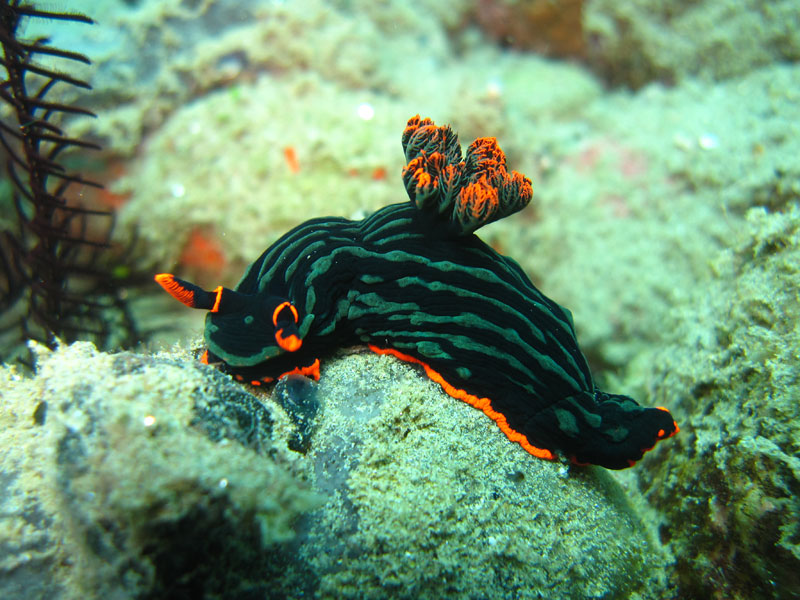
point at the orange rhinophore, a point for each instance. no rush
(189, 294)
(174, 288)
(280, 309)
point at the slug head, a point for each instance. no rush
(241, 329)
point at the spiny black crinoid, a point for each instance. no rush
(55, 275)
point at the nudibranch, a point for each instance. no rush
(414, 281)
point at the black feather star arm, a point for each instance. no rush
(56, 279)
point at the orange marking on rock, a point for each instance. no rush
(482, 404)
(379, 173)
(588, 158)
(290, 155)
(203, 251)
(103, 197)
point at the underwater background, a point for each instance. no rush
(662, 139)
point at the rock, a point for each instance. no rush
(144, 477)
(546, 27)
(427, 499)
(155, 476)
(635, 42)
(728, 490)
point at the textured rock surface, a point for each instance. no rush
(140, 476)
(546, 27)
(729, 489)
(438, 504)
(129, 476)
(642, 192)
(637, 41)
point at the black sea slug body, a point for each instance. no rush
(413, 280)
